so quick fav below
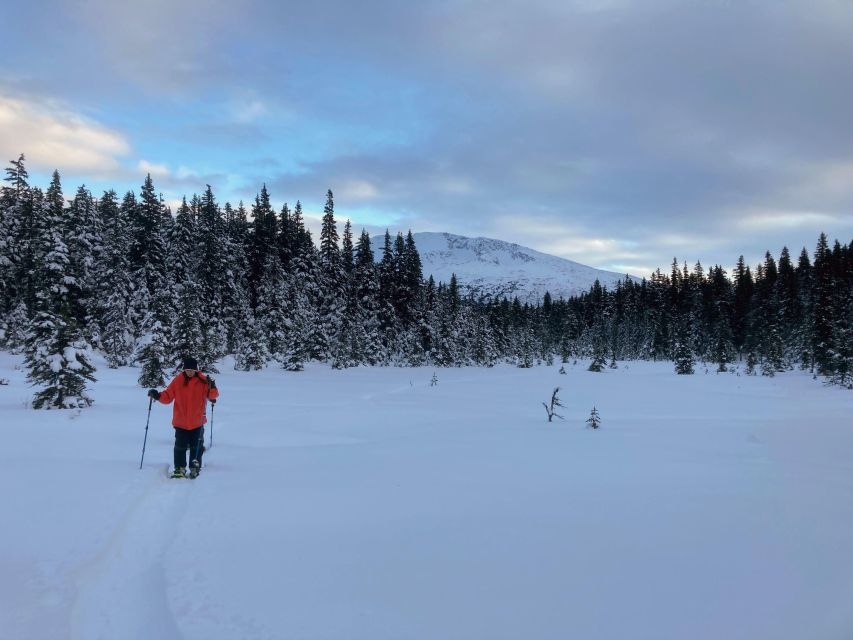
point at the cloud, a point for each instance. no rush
(356, 190)
(156, 170)
(625, 123)
(157, 57)
(250, 111)
(54, 137)
(774, 220)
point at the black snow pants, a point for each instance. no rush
(192, 439)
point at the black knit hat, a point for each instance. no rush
(190, 363)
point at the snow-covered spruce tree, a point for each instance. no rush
(147, 259)
(682, 351)
(16, 245)
(251, 353)
(349, 347)
(841, 356)
(303, 245)
(154, 352)
(594, 420)
(344, 346)
(117, 335)
(139, 299)
(407, 280)
(765, 318)
(301, 322)
(429, 320)
(182, 257)
(185, 330)
(181, 294)
(385, 270)
(450, 349)
(348, 249)
(196, 330)
(14, 328)
(245, 335)
(565, 349)
(272, 309)
(527, 347)
(773, 355)
(286, 236)
(263, 241)
(721, 341)
(790, 311)
(484, 351)
(367, 305)
(599, 348)
(751, 360)
(235, 293)
(148, 242)
(85, 251)
(822, 307)
(722, 349)
(499, 326)
(332, 291)
(57, 356)
(211, 274)
(803, 332)
(302, 290)
(743, 290)
(113, 286)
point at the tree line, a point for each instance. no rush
(126, 276)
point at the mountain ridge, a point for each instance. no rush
(496, 268)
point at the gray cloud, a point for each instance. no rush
(625, 131)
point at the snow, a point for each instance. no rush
(365, 503)
(55, 362)
(498, 268)
(70, 356)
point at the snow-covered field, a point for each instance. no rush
(366, 504)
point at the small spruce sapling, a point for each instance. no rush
(751, 362)
(594, 419)
(597, 364)
(563, 370)
(434, 380)
(552, 409)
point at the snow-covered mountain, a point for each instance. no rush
(496, 268)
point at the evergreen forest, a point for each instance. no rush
(127, 277)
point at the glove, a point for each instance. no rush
(154, 394)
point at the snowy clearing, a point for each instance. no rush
(365, 503)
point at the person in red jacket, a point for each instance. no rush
(190, 391)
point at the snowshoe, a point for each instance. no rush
(179, 472)
(195, 469)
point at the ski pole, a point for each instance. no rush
(150, 400)
(212, 407)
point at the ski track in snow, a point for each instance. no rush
(122, 593)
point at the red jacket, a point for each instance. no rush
(190, 396)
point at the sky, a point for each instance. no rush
(617, 133)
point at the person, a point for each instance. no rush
(190, 391)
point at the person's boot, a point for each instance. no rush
(195, 468)
(179, 472)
